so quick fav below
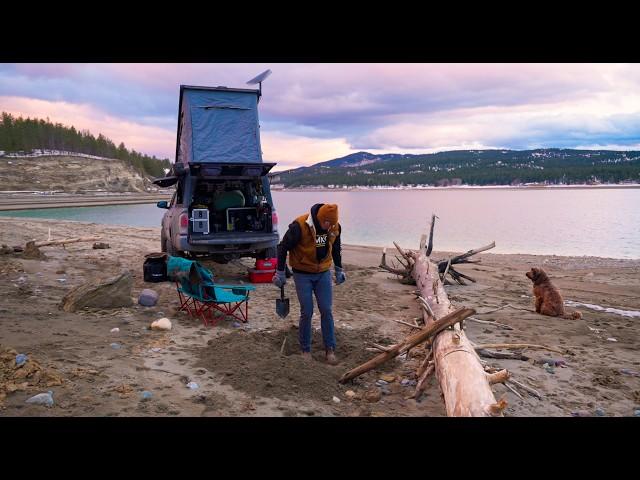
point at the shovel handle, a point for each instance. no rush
(282, 292)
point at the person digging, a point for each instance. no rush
(313, 244)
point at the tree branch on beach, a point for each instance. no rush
(445, 266)
(462, 379)
(408, 343)
(65, 241)
(465, 386)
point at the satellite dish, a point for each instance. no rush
(259, 79)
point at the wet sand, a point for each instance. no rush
(240, 369)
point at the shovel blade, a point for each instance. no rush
(282, 307)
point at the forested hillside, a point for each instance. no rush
(26, 135)
(471, 167)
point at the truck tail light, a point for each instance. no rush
(184, 223)
(274, 221)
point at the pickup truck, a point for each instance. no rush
(222, 206)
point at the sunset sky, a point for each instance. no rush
(315, 112)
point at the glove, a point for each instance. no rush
(340, 275)
(279, 279)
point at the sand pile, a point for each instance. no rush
(29, 375)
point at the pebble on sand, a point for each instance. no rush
(161, 324)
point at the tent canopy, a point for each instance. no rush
(218, 125)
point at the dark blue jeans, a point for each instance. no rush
(306, 285)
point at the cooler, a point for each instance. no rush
(261, 276)
(267, 264)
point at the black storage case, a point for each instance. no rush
(155, 268)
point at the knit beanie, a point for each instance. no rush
(328, 212)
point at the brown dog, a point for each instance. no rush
(548, 298)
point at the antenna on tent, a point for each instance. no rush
(259, 79)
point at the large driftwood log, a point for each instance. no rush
(517, 346)
(411, 341)
(462, 379)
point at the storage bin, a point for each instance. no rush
(261, 276)
(267, 264)
(155, 269)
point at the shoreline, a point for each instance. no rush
(37, 202)
(460, 187)
(371, 249)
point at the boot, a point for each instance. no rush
(331, 357)
(306, 356)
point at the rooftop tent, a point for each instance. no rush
(218, 125)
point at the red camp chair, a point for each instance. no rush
(229, 300)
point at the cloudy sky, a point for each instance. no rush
(315, 112)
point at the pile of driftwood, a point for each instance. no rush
(465, 380)
(465, 385)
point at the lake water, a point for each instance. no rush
(593, 222)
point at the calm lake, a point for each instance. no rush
(593, 222)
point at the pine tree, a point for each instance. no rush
(18, 134)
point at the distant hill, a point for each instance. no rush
(70, 173)
(358, 160)
(471, 167)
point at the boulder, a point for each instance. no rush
(114, 292)
(148, 298)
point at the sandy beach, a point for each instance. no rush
(240, 370)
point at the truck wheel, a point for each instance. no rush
(169, 249)
(163, 246)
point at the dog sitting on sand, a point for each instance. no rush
(548, 298)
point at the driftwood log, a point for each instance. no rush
(463, 381)
(64, 241)
(411, 341)
(464, 384)
(32, 250)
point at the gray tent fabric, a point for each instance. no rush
(219, 126)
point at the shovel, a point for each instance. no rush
(282, 304)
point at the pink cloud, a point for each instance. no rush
(412, 108)
(291, 151)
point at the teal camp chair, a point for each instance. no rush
(201, 297)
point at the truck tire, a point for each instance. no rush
(169, 249)
(163, 246)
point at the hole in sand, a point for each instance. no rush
(251, 362)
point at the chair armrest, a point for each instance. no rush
(229, 287)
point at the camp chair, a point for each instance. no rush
(200, 297)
